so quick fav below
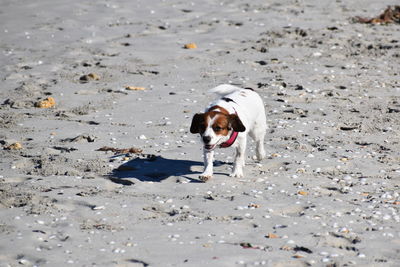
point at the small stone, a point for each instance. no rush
(301, 170)
(24, 262)
(89, 77)
(298, 256)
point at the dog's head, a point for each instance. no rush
(215, 126)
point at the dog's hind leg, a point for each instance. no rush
(258, 135)
(239, 162)
(260, 151)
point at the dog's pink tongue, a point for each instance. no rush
(209, 146)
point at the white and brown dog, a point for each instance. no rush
(227, 121)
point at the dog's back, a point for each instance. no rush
(246, 101)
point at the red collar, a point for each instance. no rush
(231, 140)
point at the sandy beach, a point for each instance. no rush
(98, 167)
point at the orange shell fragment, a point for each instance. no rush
(135, 88)
(46, 103)
(190, 46)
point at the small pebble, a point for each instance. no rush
(24, 262)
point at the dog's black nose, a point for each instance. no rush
(206, 139)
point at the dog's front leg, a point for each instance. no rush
(208, 165)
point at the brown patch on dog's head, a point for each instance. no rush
(231, 119)
(218, 109)
(221, 125)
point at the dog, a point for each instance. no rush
(227, 122)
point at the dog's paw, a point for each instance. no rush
(237, 174)
(205, 177)
(258, 158)
(260, 155)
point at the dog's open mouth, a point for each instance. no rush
(210, 147)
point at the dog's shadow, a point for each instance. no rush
(152, 168)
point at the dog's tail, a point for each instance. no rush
(224, 89)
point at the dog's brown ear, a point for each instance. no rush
(236, 123)
(197, 121)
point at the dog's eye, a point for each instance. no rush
(217, 128)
